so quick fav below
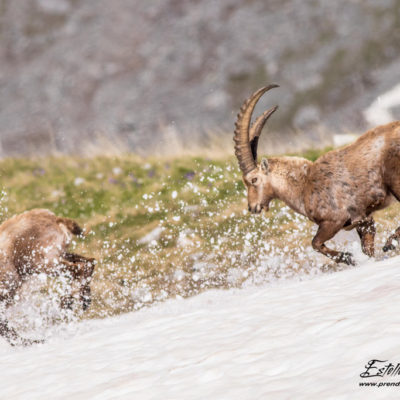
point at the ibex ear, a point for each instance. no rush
(264, 165)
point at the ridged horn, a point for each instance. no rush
(241, 135)
(256, 128)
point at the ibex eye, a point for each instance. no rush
(254, 180)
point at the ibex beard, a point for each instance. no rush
(340, 190)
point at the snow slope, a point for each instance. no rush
(290, 340)
(380, 111)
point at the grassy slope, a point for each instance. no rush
(195, 209)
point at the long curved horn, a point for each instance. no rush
(256, 128)
(241, 135)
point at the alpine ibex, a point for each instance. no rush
(341, 189)
(35, 242)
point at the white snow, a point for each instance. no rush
(343, 139)
(379, 112)
(79, 181)
(152, 236)
(290, 340)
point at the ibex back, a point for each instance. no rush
(341, 189)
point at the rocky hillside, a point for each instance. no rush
(147, 73)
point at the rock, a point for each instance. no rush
(158, 75)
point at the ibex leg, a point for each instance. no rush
(327, 230)
(81, 269)
(395, 189)
(366, 230)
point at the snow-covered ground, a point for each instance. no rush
(380, 111)
(289, 340)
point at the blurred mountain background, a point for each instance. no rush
(159, 75)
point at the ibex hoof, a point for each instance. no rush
(388, 246)
(20, 341)
(29, 342)
(346, 258)
(86, 303)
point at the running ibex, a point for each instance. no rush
(35, 242)
(341, 189)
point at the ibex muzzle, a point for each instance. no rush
(259, 193)
(339, 190)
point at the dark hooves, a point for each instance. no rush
(388, 247)
(346, 258)
(86, 303)
(12, 337)
(20, 341)
(29, 342)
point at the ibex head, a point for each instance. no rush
(255, 176)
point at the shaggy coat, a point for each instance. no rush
(341, 189)
(35, 242)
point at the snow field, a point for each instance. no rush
(288, 340)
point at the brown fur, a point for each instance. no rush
(338, 191)
(35, 242)
(341, 189)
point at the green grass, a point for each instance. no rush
(206, 239)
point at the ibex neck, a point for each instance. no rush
(288, 178)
